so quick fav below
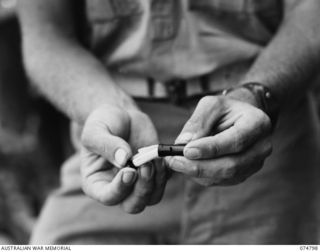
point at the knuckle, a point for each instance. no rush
(102, 148)
(211, 101)
(206, 182)
(170, 162)
(214, 149)
(232, 164)
(133, 209)
(108, 200)
(268, 148)
(210, 182)
(84, 187)
(239, 141)
(142, 117)
(264, 122)
(217, 100)
(205, 101)
(135, 114)
(125, 117)
(143, 192)
(112, 197)
(104, 199)
(89, 139)
(85, 137)
(264, 150)
(229, 172)
(196, 171)
(192, 123)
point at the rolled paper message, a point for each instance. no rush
(146, 154)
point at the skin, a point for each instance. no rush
(77, 83)
(286, 66)
(228, 137)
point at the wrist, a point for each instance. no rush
(120, 101)
(257, 95)
(243, 95)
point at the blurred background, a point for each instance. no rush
(30, 155)
(30, 151)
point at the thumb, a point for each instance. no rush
(143, 131)
(203, 119)
(102, 142)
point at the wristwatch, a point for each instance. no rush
(266, 101)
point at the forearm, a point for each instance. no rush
(289, 62)
(71, 77)
(64, 71)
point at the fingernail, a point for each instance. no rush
(121, 157)
(146, 172)
(128, 177)
(192, 153)
(176, 165)
(184, 138)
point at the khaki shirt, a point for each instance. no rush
(167, 39)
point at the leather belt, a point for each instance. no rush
(174, 91)
(178, 90)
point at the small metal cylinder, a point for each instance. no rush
(170, 150)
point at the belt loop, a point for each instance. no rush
(176, 90)
(204, 82)
(151, 84)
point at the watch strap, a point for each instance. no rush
(265, 99)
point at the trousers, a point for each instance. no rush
(278, 205)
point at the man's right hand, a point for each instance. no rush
(109, 137)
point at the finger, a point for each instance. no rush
(160, 180)
(143, 132)
(212, 169)
(139, 198)
(206, 114)
(99, 139)
(99, 187)
(238, 178)
(226, 167)
(245, 132)
(91, 163)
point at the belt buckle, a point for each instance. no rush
(176, 90)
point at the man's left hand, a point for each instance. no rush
(227, 141)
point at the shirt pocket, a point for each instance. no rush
(112, 10)
(111, 22)
(165, 19)
(250, 18)
(235, 6)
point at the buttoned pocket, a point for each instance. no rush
(235, 6)
(109, 10)
(253, 19)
